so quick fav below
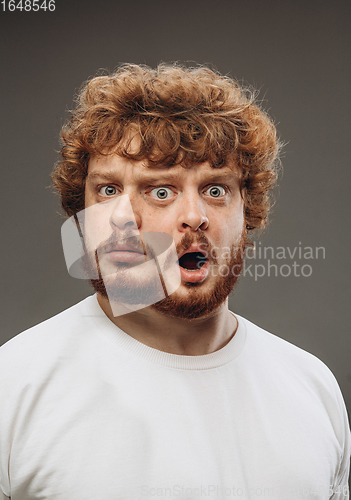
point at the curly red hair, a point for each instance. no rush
(183, 116)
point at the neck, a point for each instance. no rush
(176, 335)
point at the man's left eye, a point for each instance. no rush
(161, 193)
(216, 191)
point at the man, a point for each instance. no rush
(152, 388)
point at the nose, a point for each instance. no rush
(122, 215)
(193, 214)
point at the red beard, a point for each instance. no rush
(197, 303)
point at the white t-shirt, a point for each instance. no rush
(89, 413)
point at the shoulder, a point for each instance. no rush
(299, 380)
(290, 364)
(267, 344)
(49, 339)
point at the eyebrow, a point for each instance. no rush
(97, 175)
(162, 176)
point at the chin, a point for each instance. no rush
(196, 300)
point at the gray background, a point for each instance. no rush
(296, 52)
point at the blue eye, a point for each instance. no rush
(161, 193)
(216, 191)
(108, 190)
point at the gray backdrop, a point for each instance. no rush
(296, 52)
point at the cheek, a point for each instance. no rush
(227, 229)
(233, 219)
(237, 216)
(96, 226)
(88, 197)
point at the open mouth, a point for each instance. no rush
(192, 261)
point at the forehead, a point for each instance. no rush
(114, 166)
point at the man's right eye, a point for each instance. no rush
(108, 191)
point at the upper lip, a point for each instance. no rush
(193, 249)
(123, 248)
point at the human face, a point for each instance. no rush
(200, 207)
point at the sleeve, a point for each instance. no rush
(340, 489)
(4, 425)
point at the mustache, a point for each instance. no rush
(133, 241)
(136, 243)
(198, 239)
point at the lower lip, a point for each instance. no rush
(195, 276)
(128, 257)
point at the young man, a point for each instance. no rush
(152, 387)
